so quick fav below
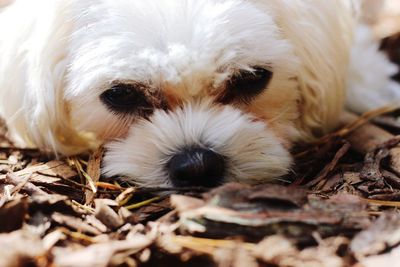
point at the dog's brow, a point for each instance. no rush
(133, 98)
(245, 85)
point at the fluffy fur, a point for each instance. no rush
(250, 148)
(57, 61)
(368, 85)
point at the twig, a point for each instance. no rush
(208, 246)
(83, 207)
(329, 168)
(108, 186)
(353, 123)
(23, 183)
(382, 202)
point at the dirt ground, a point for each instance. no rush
(339, 206)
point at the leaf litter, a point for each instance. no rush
(340, 208)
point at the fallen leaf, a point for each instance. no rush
(94, 172)
(99, 255)
(13, 214)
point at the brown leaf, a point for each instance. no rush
(52, 168)
(57, 169)
(232, 210)
(13, 214)
(286, 194)
(94, 172)
(349, 208)
(266, 196)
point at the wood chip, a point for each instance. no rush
(384, 233)
(107, 215)
(75, 223)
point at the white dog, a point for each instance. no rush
(211, 90)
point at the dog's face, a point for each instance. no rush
(197, 92)
(201, 82)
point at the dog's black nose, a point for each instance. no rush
(196, 167)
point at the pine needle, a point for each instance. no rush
(383, 202)
(141, 204)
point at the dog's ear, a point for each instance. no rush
(33, 47)
(321, 33)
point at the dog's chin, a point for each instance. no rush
(228, 145)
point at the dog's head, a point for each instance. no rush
(216, 88)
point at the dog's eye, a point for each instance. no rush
(245, 85)
(126, 98)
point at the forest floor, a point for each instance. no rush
(338, 207)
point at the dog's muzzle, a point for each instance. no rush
(198, 144)
(196, 167)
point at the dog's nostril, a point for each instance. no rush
(196, 167)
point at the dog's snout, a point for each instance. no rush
(196, 167)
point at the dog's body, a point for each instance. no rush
(216, 88)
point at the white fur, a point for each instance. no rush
(369, 85)
(58, 56)
(251, 149)
(185, 44)
(33, 45)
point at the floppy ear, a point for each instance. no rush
(33, 47)
(321, 34)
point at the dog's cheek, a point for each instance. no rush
(93, 117)
(279, 113)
